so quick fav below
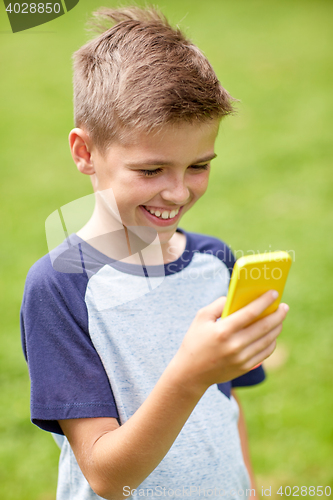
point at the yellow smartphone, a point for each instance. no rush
(252, 276)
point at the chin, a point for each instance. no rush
(166, 237)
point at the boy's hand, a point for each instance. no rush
(218, 351)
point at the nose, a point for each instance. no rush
(177, 191)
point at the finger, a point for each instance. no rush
(253, 339)
(261, 344)
(214, 310)
(257, 360)
(264, 325)
(262, 348)
(248, 314)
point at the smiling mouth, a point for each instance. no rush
(162, 213)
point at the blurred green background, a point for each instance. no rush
(271, 189)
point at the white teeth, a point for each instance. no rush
(165, 214)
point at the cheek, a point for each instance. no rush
(133, 194)
(139, 191)
(199, 184)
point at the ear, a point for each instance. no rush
(80, 146)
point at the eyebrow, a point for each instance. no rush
(158, 162)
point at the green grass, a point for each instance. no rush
(271, 188)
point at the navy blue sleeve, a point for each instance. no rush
(67, 377)
(213, 246)
(253, 377)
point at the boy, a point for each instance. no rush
(127, 357)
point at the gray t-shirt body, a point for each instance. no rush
(98, 334)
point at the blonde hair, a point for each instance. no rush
(141, 74)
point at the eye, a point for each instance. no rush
(200, 167)
(150, 173)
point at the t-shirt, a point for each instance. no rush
(97, 335)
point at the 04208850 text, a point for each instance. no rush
(299, 491)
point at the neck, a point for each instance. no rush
(111, 238)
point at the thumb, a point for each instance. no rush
(214, 310)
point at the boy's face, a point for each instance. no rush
(157, 177)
